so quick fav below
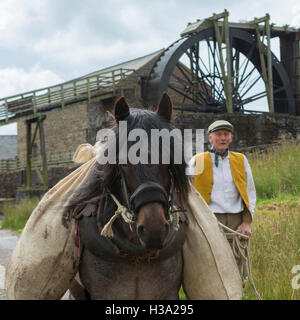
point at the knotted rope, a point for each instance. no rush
(241, 247)
(129, 217)
(122, 211)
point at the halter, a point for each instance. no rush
(145, 193)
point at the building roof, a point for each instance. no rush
(134, 64)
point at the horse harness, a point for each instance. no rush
(145, 193)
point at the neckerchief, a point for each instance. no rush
(217, 154)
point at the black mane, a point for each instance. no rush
(107, 176)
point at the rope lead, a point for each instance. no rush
(127, 215)
(241, 248)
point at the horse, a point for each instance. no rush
(141, 209)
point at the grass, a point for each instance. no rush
(277, 171)
(275, 240)
(275, 249)
(16, 215)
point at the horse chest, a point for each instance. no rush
(112, 280)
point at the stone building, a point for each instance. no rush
(8, 147)
(77, 123)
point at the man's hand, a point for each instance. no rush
(245, 228)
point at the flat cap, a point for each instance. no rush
(220, 124)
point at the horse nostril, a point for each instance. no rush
(141, 231)
(153, 239)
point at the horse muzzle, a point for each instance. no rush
(152, 226)
(150, 203)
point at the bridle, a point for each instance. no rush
(116, 246)
(145, 193)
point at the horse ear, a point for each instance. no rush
(165, 107)
(121, 109)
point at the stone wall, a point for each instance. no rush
(64, 130)
(249, 130)
(10, 182)
(98, 117)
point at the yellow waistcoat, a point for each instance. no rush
(203, 179)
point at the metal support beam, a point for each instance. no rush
(263, 34)
(221, 38)
(290, 58)
(28, 155)
(43, 151)
(30, 164)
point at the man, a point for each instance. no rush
(224, 179)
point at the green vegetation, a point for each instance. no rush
(276, 172)
(275, 249)
(275, 240)
(16, 215)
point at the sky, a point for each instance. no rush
(46, 42)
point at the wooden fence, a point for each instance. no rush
(57, 158)
(42, 100)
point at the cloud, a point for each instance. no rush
(19, 17)
(10, 129)
(17, 80)
(296, 13)
(72, 38)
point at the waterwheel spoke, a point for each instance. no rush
(244, 65)
(187, 84)
(245, 81)
(217, 89)
(254, 97)
(190, 84)
(250, 86)
(209, 53)
(216, 71)
(182, 93)
(200, 79)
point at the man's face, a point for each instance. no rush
(220, 139)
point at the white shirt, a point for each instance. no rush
(225, 197)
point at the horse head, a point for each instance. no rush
(130, 212)
(147, 187)
(146, 190)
